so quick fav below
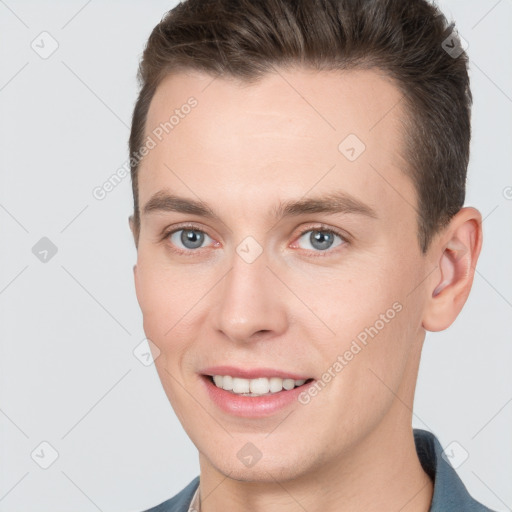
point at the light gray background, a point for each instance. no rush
(69, 326)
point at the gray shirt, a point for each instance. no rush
(450, 494)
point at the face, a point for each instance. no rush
(278, 247)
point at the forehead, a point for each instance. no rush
(289, 131)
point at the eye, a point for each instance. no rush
(188, 238)
(320, 239)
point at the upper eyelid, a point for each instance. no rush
(303, 231)
(167, 232)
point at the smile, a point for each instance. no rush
(255, 387)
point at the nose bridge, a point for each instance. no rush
(249, 304)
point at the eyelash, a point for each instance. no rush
(321, 227)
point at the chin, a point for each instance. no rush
(266, 470)
(268, 474)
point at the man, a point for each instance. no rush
(298, 170)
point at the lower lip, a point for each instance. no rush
(252, 406)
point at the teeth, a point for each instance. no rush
(255, 387)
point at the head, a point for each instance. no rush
(298, 172)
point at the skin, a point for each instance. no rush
(241, 151)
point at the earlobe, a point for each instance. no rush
(458, 249)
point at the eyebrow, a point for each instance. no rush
(334, 202)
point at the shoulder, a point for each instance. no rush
(450, 494)
(180, 502)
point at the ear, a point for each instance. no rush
(135, 238)
(455, 251)
(133, 230)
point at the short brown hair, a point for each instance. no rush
(409, 40)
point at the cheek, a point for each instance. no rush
(366, 311)
(174, 301)
(162, 295)
(162, 290)
(353, 303)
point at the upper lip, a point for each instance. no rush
(252, 373)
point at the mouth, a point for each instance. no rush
(253, 392)
(261, 386)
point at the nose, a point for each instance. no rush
(252, 302)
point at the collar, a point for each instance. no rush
(450, 494)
